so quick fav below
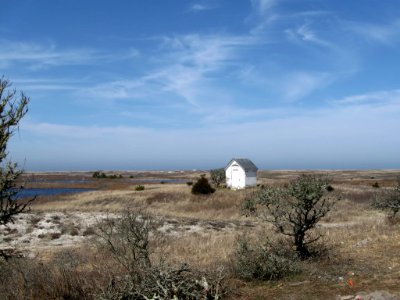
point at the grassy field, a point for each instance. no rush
(202, 230)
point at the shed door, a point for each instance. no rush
(236, 176)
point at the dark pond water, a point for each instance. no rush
(29, 193)
(61, 180)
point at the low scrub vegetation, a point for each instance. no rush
(128, 240)
(121, 266)
(389, 200)
(181, 252)
(269, 260)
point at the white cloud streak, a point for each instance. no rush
(382, 33)
(306, 34)
(297, 85)
(263, 6)
(199, 7)
(42, 56)
(185, 67)
(372, 98)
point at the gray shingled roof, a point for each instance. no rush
(245, 163)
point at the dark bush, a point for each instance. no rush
(88, 231)
(330, 188)
(375, 185)
(202, 187)
(189, 183)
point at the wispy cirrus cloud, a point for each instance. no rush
(297, 85)
(305, 33)
(263, 6)
(186, 66)
(199, 7)
(48, 55)
(372, 98)
(388, 33)
(47, 84)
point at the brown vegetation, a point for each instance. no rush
(203, 231)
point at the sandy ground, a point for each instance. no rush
(37, 231)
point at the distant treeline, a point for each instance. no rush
(99, 174)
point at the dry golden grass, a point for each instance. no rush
(364, 247)
(170, 200)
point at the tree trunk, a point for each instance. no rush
(301, 248)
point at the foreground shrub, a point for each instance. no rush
(266, 261)
(128, 241)
(202, 187)
(163, 282)
(294, 210)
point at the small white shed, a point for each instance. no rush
(241, 173)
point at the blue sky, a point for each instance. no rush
(311, 84)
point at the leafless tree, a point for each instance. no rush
(127, 238)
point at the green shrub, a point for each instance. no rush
(266, 261)
(218, 176)
(375, 185)
(202, 187)
(139, 188)
(189, 183)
